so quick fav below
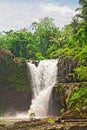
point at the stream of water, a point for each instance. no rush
(43, 78)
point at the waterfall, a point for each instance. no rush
(43, 78)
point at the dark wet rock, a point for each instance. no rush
(76, 125)
(35, 125)
(13, 101)
(79, 127)
(15, 90)
(3, 127)
(62, 93)
(66, 67)
(35, 62)
(42, 124)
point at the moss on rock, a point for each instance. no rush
(15, 90)
(73, 98)
(13, 72)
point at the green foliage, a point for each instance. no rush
(44, 33)
(79, 98)
(81, 73)
(82, 54)
(13, 72)
(51, 120)
(83, 3)
(62, 111)
(32, 116)
(56, 53)
(29, 45)
(46, 41)
(39, 56)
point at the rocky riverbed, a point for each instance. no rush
(43, 124)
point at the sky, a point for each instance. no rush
(19, 14)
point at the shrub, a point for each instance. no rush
(81, 73)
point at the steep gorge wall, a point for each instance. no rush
(66, 66)
(69, 93)
(16, 94)
(15, 90)
(73, 99)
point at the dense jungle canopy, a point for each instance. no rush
(46, 41)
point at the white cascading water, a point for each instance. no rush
(43, 78)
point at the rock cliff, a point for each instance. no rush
(15, 90)
(66, 66)
(69, 93)
(69, 97)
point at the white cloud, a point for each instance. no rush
(62, 14)
(20, 15)
(56, 8)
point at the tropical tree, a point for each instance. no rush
(83, 9)
(44, 33)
